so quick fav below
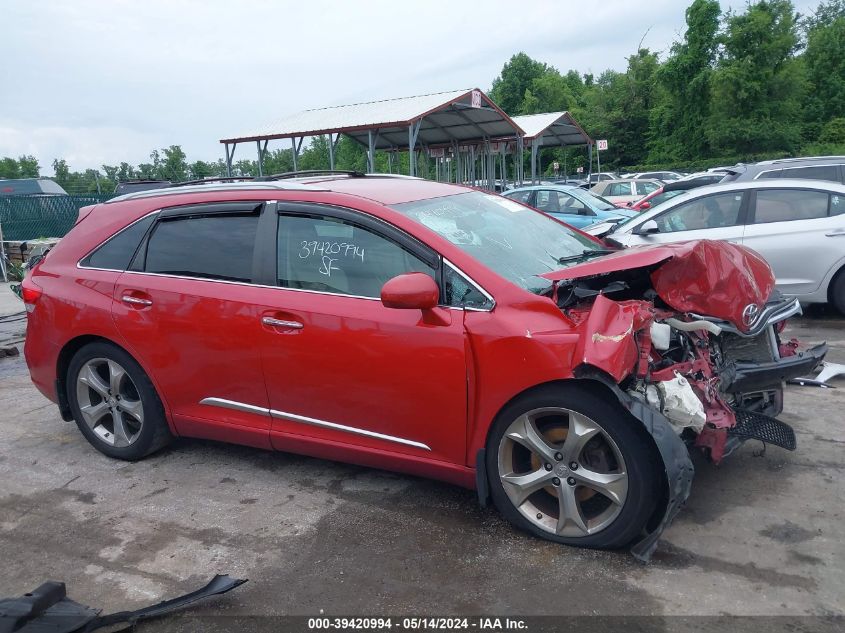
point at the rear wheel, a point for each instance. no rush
(114, 403)
(837, 292)
(570, 467)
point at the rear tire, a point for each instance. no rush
(837, 292)
(605, 500)
(114, 403)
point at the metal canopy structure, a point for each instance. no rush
(465, 121)
(551, 129)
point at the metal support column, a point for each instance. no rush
(331, 152)
(533, 161)
(413, 130)
(590, 161)
(371, 152)
(294, 152)
(261, 153)
(229, 157)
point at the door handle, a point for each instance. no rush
(291, 325)
(835, 234)
(136, 300)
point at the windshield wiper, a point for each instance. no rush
(584, 255)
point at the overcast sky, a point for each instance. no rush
(99, 82)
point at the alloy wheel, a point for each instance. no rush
(109, 402)
(563, 472)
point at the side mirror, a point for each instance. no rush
(645, 205)
(411, 291)
(647, 228)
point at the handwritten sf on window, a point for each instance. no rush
(325, 250)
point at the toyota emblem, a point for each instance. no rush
(749, 314)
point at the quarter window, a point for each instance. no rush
(709, 212)
(117, 252)
(461, 293)
(327, 254)
(783, 205)
(645, 188)
(216, 246)
(619, 189)
(818, 172)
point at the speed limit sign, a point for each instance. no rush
(601, 145)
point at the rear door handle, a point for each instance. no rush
(839, 233)
(138, 301)
(291, 325)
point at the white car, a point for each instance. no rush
(625, 190)
(798, 226)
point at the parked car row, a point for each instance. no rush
(798, 226)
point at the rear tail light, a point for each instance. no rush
(31, 293)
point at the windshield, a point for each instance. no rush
(511, 239)
(595, 201)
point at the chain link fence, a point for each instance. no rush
(31, 217)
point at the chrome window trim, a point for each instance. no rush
(110, 237)
(274, 413)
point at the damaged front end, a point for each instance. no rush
(688, 335)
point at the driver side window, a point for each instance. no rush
(709, 212)
(327, 254)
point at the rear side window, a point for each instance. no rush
(708, 212)
(327, 254)
(619, 189)
(521, 196)
(818, 172)
(216, 246)
(773, 173)
(645, 188)
(784, 205)
(117, 252)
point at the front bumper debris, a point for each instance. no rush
(676, 462)
(750, 377)
(751, 425)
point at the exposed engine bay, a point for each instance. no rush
(695, 334)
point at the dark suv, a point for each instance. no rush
(808, 168)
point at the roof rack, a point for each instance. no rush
(313, 172)
(203, 181)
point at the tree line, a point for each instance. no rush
(761, 83)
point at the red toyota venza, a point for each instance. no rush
(419, 327)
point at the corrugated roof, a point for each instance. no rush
(554, 128)
(447, 117)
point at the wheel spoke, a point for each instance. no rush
(92, 379)
(524, 432)
(614, 486)
(121, 433)
(523, 486)
(134, 408)
(581, 430)
(570, 521)
(93, 413)
(116, 374)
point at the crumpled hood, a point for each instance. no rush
(710, 278)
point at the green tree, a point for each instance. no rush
(758, 87)
(174, 166)
(517, 75)
(824, 61)
(682, 103)
(9, 168)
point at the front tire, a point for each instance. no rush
(114, 403)
(571, 467)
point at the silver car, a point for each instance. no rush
(797, 225)
(625, 191)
